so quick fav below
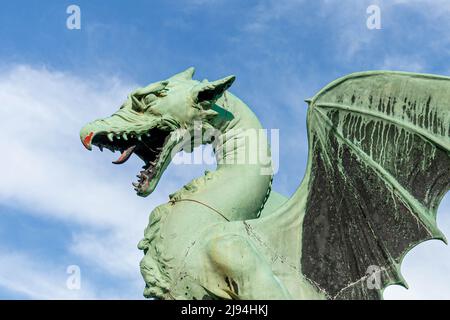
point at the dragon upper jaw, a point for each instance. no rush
(153, 145)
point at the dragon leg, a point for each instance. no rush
(245, 273)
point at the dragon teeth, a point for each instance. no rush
(110, 136)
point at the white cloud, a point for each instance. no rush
(265, 13)
(45, 166)
(345, 23)
(403, 63)
(21, 274)
(111, 251)
(435, 8)
(347, 20)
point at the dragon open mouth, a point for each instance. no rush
(152, 147)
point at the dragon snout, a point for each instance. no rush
(86, 135)
(87, 141)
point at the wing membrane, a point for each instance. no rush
(380, 164)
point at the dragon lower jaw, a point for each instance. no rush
(153, 147)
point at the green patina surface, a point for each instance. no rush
(378, 166)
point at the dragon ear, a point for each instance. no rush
(211, 91)
(184, 75)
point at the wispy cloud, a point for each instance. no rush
(343, 23)
(44, 168)
(403, 63)
(22, 274)
(264, 14)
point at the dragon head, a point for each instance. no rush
(154, 120)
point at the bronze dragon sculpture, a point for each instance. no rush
(378, 166)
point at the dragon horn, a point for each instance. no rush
(185, 75)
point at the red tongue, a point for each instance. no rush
(125, 155)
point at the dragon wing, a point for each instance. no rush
(379, 164)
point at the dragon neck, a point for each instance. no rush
(241, 140)
(239, 186)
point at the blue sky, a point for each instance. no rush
(61, 206)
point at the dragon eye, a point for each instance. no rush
(137, 105)
(149, 99)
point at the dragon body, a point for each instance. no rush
(378, 166)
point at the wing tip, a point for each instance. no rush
(443, 238)
(439, 235)
(401, 281)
